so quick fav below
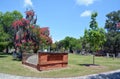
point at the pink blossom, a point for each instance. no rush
(33, 26)
(30, 13)
(17, 37)
(23, 41)
(118, 25)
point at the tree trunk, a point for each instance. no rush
(7, 49)
(93, 59)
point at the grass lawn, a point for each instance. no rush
(75, 67)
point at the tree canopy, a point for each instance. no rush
(3, 39)
(7, 32)
(69, 44)
(112, 26)
(95, 35)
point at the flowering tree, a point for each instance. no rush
(44, 34)
(28, 35)
(45, 38)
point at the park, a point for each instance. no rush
(27, 49)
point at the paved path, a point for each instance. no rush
(106, 75)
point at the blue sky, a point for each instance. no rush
(64, 17)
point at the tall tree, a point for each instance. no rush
(3, 39)
(29, 36)
(95, 35)
(112, 26)
(6, 20)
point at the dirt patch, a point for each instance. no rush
(93, 66)
(31, 68)
(97, 67)
(35, 70)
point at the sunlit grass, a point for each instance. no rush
(75, 67)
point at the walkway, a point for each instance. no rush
(106, 75)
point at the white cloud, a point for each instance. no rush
(28, 3)
(85, 2)
(86, 13)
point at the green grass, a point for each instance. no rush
(75, 67)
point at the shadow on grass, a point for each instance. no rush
(1, 53)
(16, 59)
(3, 56)
(88, 65)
